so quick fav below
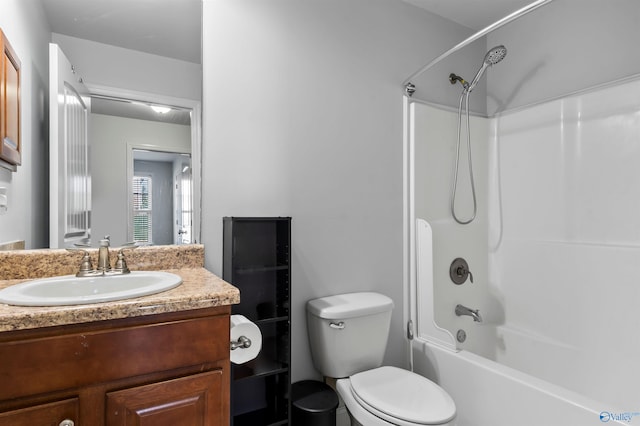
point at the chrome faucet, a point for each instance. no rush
(473, 313)
(104, 262)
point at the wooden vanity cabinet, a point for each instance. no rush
(165, 369)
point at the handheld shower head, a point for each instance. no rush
(495, 55)
(492, 57)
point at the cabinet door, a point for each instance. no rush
(52, 414)
(189, 401)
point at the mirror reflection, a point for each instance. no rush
(147, 52)
(161, 198)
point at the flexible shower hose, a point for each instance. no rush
(465, 96)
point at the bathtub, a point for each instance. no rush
(490, 393)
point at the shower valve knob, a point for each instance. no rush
(459, 271)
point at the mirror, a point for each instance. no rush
(126, 69)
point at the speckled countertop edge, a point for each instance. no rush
(199, 289)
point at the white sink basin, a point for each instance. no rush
(71, 290)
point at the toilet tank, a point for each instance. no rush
(348, 333)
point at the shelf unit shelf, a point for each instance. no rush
(274, 319)
(256, 259)
(259, 269)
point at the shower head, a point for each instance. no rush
(492, 57)
(495, 55)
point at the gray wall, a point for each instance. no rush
(27, 218)
(565, 46)
(303, 117)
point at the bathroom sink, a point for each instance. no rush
(71, 290)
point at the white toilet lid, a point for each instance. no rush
(396, 394)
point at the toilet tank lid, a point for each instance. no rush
(350, 305)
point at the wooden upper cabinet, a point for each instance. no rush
(10, 142)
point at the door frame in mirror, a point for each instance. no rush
(131, 169)
(196, 136)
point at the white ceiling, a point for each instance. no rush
(168, 28)
(474, 14)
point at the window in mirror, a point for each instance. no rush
(142, 209)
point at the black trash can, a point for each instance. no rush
(313, 404)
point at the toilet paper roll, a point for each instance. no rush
(241, 326)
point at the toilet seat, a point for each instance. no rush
(401, 397)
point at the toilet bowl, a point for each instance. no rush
(348, 335)
(392, 396)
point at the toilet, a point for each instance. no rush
(348, 336)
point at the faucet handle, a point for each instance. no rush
(131, 245)
(86, 267)
(121, 262)
(82, 249)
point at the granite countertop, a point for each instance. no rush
(199, 289)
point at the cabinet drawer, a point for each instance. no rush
(51, 414)
(32, 366)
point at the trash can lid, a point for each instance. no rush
(313, 397)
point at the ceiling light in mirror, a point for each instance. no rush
(160, 109)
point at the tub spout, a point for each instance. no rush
(473, 313)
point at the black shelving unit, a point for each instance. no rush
(257, 259)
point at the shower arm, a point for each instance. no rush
(453, 79)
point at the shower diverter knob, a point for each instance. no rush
(459, 271)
